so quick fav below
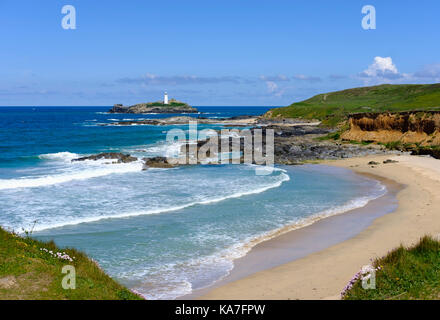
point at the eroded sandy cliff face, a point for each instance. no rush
(407, 127)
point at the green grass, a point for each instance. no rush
(362, 143)
(332, 108)
(37, 274)
(330, 136)
(335, 135)
(394, 145)
(171, 104)
(406, 273)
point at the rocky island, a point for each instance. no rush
(173, 106)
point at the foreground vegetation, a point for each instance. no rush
(31, 269)
(404, 273)
(332, 108)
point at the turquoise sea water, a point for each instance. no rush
(162, 232)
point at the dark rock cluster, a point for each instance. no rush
(119, 157)
(157, 162)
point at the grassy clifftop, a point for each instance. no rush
(333, 107)
(31, 269)
(404, 274)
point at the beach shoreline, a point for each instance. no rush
(323, 273)
(315, 233)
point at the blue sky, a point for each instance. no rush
(210, 52)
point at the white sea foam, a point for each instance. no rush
(94, 124)
(166, 149)
(59, 156)
(84, 171)
(284, 177)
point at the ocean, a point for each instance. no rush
(161, 232)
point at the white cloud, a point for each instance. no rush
(279, 77)
(381, 66)
(152, 79)
(306, 78)
(430, 72)
(271, 86)
(382, 70)
(337, 76)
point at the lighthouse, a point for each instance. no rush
(165, 98)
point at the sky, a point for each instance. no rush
(210, 52)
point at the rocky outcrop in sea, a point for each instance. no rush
(119, 157)
(154, 107)
(157, 162)
(233, 122)
(292, 145)
(296, 145)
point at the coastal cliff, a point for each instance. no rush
(411, 127)
(155, 107)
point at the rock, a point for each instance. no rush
(292, 145)
(132, 122)
(295, 145)
(156, 162)
(184, 120)
(433, 152)
(290, 131)
(122, 158)
(7, 282)
(119, 108)
(390, 161)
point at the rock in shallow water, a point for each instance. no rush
(156, 162)
(120, 157)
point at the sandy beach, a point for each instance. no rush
(323, 274)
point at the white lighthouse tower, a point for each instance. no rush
(165, 98)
